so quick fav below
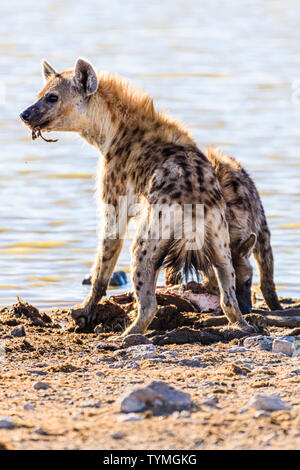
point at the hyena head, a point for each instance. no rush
(62, 103)
(244, 272)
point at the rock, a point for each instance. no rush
(87, 281)
(41, 386)
(133, 340)
(297, 346)
(143, 351)
(261, 414)
(261, 342)
(100, 374)
(6, 422)
(292, 339)
(181, 414)
(18, 331)
(38, 372)
(169, 355)
(29, 406)
(117, 435)
(119, 278)
(268, 403)
(157, 395)
(90, 404)
(41, 431)
(237, 350)
(197, 357)
(129, 417)
(124, 365)
(283, 346)
(211, 401)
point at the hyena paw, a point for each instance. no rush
(83, 317)
(244, 326)
(133, 330)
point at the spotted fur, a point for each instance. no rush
(150, 158)
(248, 231)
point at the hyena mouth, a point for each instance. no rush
(36, 133)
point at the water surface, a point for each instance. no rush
(225, 68)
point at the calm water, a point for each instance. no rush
(224, 68)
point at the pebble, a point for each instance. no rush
(283, 346)
(157, 394)
(211, 401)
(124, 365)
(41, 431)
(247, 365)
(261, 414)
(100, 374)
(18, 331)
(142, 351)
(238, 349)
(261, 342)
(6, 422)
(168, 355)
(117, 435)
(38, 372)
(268, 403)
(41, 386)
(129, 417)
(29, 406)
(90, 404)
(181, 414)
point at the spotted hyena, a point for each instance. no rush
(146, 156)
(248, 230)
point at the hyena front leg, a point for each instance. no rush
(106, 260)
(109, 249)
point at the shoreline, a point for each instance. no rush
(85, 375)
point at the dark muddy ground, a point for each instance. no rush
(84, 378)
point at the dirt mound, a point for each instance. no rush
(26, 311)
(177, 321)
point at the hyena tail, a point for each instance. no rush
(263, 255)
(183, 260)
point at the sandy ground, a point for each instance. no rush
(81, 408)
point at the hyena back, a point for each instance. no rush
(147, 156)
(248, 230)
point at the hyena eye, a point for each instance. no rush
(248, 283)
(52, 98)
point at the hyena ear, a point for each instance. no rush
(48, 71)
(246, 247)
(85, 77)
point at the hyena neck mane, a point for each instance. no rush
(119, 112)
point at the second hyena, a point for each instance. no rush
(248, 230)
(148, 157)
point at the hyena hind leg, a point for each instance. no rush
(228, 301)
(172, 277)
(263, 256)
(225, 274)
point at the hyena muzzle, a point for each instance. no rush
(149, 158)
(248, 231)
